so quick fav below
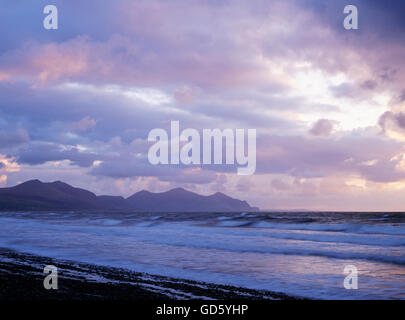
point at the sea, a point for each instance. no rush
(303, 254)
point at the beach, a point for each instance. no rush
(121, 255)
(21, 278)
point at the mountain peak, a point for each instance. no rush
(58, 195)
(182, 200)
(219, 194)
(58, 182)
(33, 181)
(178, 190)
(143, 191)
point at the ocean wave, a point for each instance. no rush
(346, 227)
(331, 237)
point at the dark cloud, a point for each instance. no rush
(401, 97)
(376, 17)
(279, 185)
(83, 93)
(140, 167)
(12, 139)
(368, 156)
(390, 118)
(39, 153)
(323, 127)
(297, 156)
(369, 84)
(382, 171)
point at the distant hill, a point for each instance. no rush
(185, 201)
(37, 195)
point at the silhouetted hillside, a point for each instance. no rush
(37, 195)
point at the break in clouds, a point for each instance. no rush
(77, 103)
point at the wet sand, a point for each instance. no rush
(21, 278)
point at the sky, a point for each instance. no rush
(328, 104)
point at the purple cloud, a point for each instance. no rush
(90, 92)
(323, 127)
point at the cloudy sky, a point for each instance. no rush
(328, 104)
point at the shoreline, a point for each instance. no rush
(21, 278)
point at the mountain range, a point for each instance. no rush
(37, 195)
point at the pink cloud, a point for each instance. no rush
(84, 124)
(186, 95)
